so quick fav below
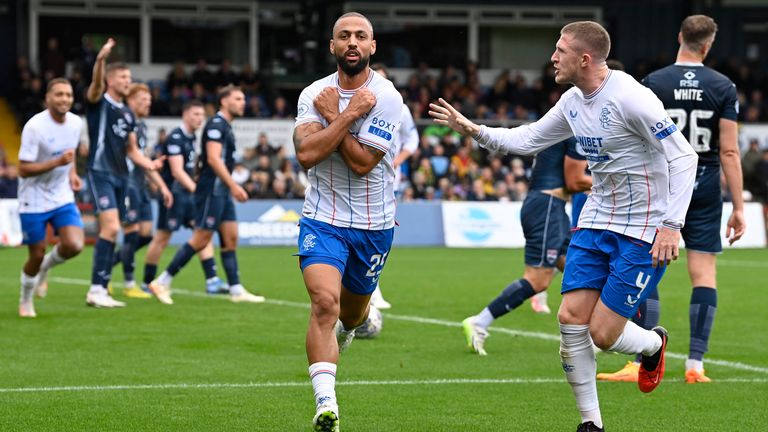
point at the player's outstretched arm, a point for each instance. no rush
(525, 140)
(445, 114)
(730, 159)
(213, 157)
(97, 87)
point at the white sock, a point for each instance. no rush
(694, 364)
(129, 284)
(580, 368)
(236, 289)
(52, 259)
(635, 340)
(27, 287)
(97, 289)
(484, 319)
(165, 278)
(323, 376)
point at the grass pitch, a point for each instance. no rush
(205, 364)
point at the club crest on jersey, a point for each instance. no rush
(605, 117)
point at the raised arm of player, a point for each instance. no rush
(314, 143)
(575, 174)
(525, 140)
(213, 152)
(730, 159)
(97, 87)
(176, 162)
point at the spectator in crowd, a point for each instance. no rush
(240, 174)
(281, 109)
(53, 59)
(225, 75)
(749, 165)
(202, 75)
(177, 77)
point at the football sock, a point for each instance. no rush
(182, 257)
(127, 254)
(103, 252)
(579, 364)
(694, 364)
(484, 319)
(513, 296)
(27, 286)
(209, 268)
(702, 315)
(236, 289)
(52, 259)
(150, 270)
(229, 261)
(165, 278)
(635, 339)
(323, 376)
(648, 315)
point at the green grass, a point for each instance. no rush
(203, 340)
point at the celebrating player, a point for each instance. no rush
(178, 172)
(213, 201)
(48, 178)
(557, 171)
(112, 134)
(703, 104)
(643, 170)
(345, 134)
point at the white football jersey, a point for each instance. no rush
(335, 194)
(643, 169)
(43, 139)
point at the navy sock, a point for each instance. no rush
(229, 261)
(143, 241)
(181, 259)
(513, 296)
(128, 253)
(648, 314)
(150, 271)
(209, 267)
(102, 262)
(702, 315)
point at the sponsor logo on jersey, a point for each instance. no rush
(663, 128)
(573, 114)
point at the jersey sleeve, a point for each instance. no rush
(408, 134)
(214, 131)
(174, 145)
(379, 129)
(305, 111)
(529, 139)
(30, 144)
(730, 103)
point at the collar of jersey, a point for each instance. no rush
(349, 92)
(689, 64)
(112, 101)
(595, 93)
(220, 114)
(184, 131)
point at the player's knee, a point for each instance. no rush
(565, 316)
(108, 231)
(71, 247)
(325, 307)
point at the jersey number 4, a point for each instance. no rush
(698, 136)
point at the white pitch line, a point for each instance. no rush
(446, 323)
(449, 381)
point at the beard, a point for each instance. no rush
(352, 69)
